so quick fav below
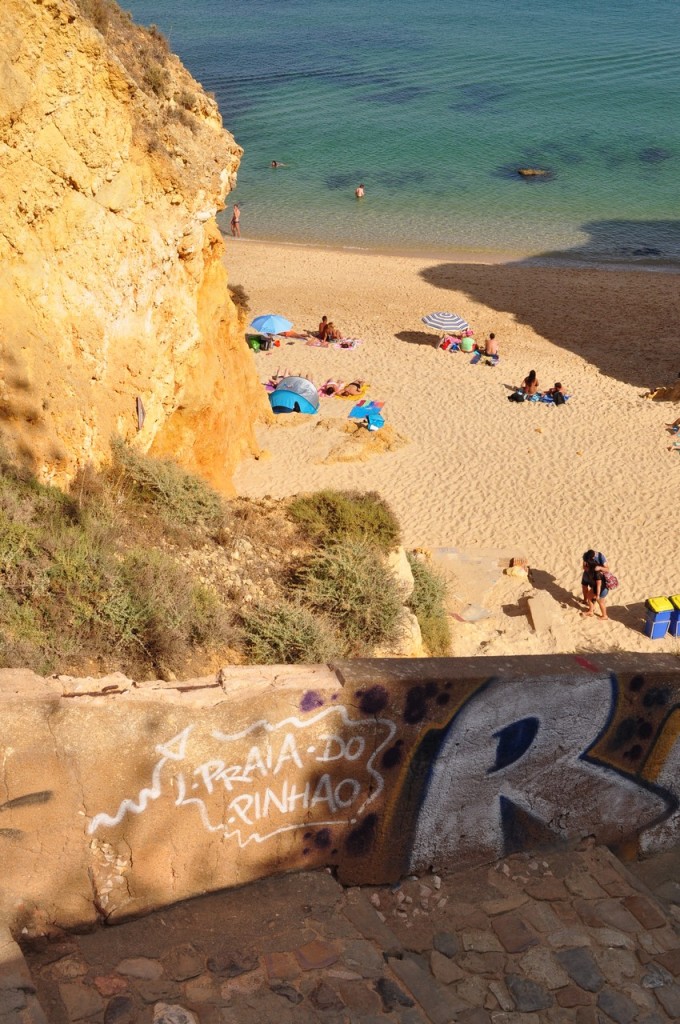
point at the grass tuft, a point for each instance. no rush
(177, 496)
(331, 516)
(350, 583)
(285, 633)
(427, 604)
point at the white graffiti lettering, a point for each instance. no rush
(276, 779)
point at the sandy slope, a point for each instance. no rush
(480, 472)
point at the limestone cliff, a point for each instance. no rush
(113, 163)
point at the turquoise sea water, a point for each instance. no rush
(433, 105)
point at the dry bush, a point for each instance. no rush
(285, 633)
(350, 584)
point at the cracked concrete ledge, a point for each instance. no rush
(120, 796)
(18, 1000)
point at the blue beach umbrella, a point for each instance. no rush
(445, 322)
(271, 323)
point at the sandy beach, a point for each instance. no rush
(478, 474)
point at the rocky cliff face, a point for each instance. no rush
(113, 163)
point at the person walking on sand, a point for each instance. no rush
(588, 559)
(597, 590)
(359, 192)
(236, 221)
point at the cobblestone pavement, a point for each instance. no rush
(570, 937)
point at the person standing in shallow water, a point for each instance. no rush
(359, 192)
(236, 221)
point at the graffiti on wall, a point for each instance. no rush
(406, 777)
(516, 767)
(269, 778)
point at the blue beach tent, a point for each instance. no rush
(295, 394)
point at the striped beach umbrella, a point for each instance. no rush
(445, 322)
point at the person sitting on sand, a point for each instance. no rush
(530, 384)
(353, 388)
(557, 393)
(491, 346)
(468, 343)
(333, 334)
(323, 328)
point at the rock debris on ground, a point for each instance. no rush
(546, 939)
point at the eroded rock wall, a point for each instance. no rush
(118, 797)
(113, 163)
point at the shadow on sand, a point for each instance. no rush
(419, 338)
(620, 329)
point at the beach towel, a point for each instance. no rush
(370, 412)
(549, 400)
(364, 408)
(360, 393)
(475, 359)
(347, 343)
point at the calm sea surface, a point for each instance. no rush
(433, 105)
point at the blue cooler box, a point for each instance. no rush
(659, 611)
(674, 626)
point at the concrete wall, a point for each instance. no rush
(117, 797)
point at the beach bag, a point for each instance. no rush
(558, 398)
(516, 396)
(610, 580)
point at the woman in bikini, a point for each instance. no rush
(530, 384)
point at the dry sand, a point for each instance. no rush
(485, 476)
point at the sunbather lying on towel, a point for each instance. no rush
(331, 387)
(354, 388)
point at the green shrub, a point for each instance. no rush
(427, 604)
(155, 76)
(328, 516)
(350, 583)
(162, 609)
(68, 589)
(285, 633)
(177, 496)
